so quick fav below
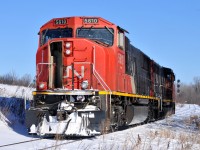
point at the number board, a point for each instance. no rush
(60, 22)
(90, 20)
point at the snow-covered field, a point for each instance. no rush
(15, 91)
(177, 132)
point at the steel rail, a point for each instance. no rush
(19, 143)
(57, 145)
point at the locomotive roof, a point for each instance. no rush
(79, 18)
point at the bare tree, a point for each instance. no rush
(12, 79)
(196, 88)
(25, 80)
(9, 78)
(189, 93)
(197, 84)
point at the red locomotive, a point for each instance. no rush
(90, 79)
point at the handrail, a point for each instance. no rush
(97, 75)
(42, 67)
(100, 79)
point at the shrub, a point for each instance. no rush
(12, 79)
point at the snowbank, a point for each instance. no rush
(15, 91)
(12, 103)
(180, 131)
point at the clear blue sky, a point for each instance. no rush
(166, 30)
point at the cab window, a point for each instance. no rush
(99, 35)
(121, 41)
(54, 33)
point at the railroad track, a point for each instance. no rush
(57, 145)
(75, 139)
(49, 147)
(6, 145)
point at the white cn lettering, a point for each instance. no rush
(120, 59)
(68, 68)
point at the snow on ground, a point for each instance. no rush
(12, 102)
(180, 131)
(15, 91)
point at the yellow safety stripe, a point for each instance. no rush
(168, 100)
(128, 95)
(104, 93)
(50, 93)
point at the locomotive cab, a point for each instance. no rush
(68, 83)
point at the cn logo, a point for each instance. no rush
(69, 68)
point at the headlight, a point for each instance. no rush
(42, 86)
(84, 85)
(80, 98)
(68, 52)
(68, 45)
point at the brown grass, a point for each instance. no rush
(177, 140)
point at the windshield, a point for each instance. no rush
(104, 35)
(55, 33)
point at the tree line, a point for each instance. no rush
(12, 78)
(189, 93)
